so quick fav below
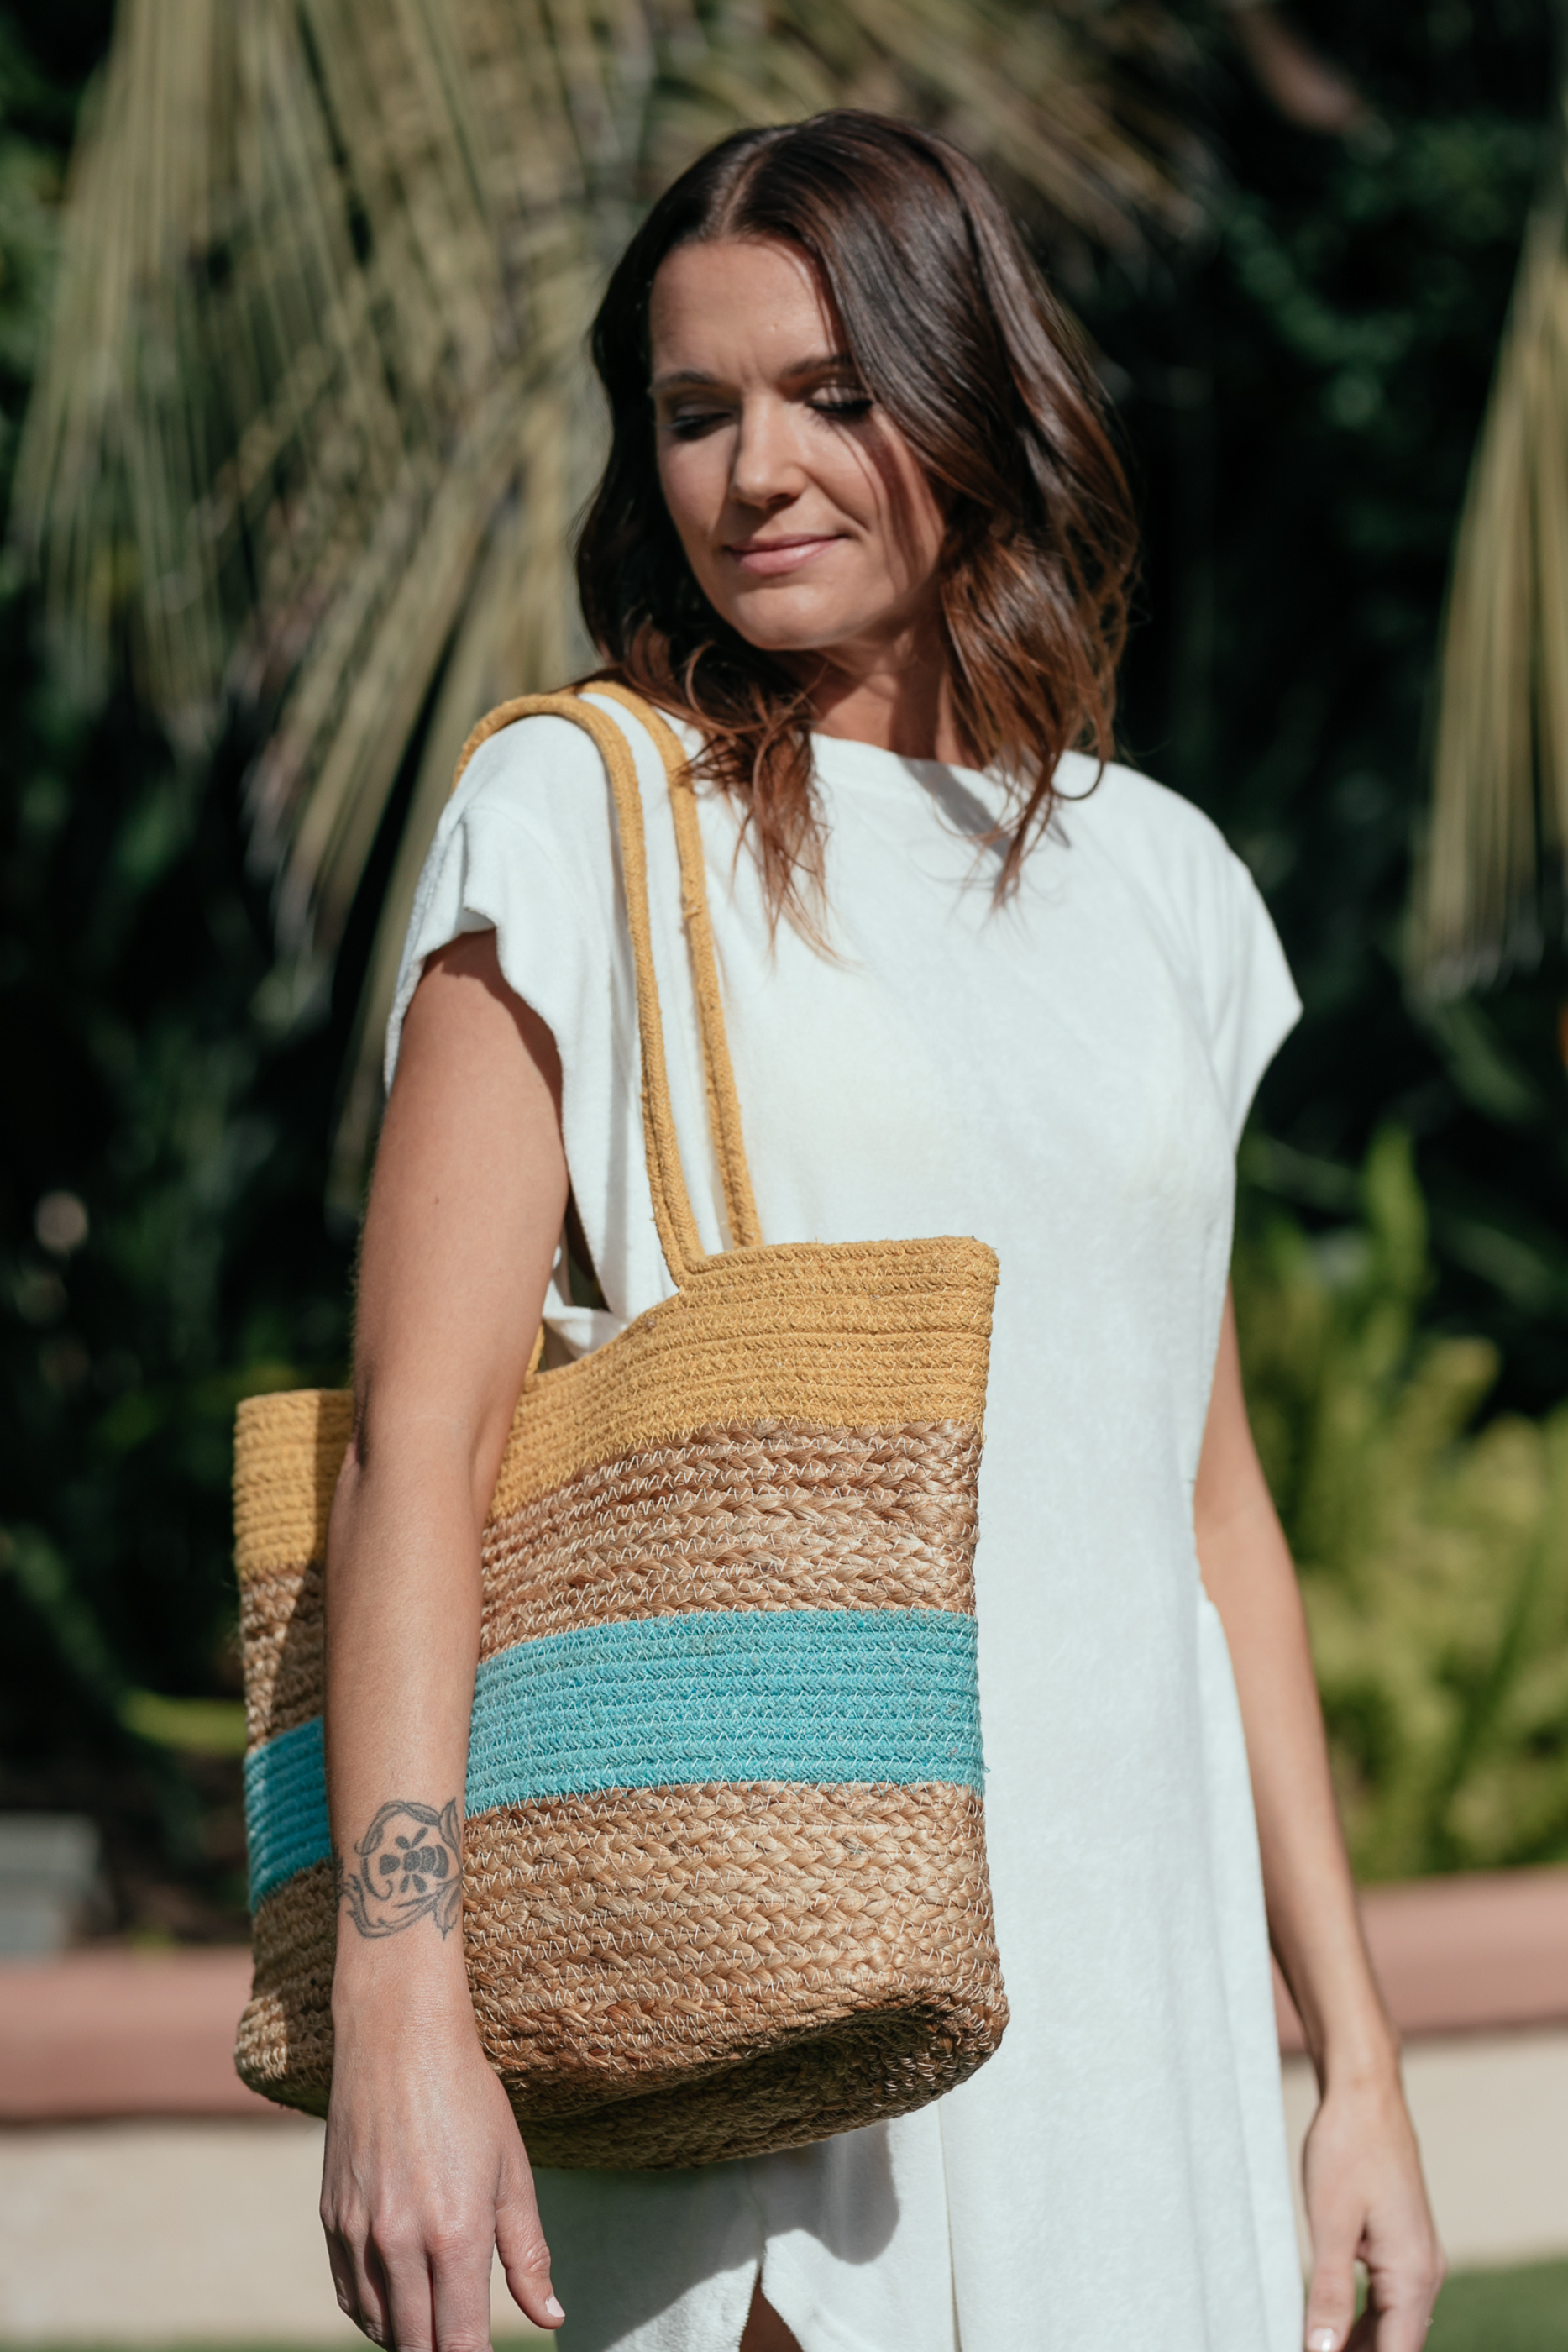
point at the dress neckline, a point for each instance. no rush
(869, 762)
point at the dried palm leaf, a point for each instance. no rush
(315, 418)
(1501, 770)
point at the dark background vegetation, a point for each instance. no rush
(1300, 389)
(1303, 403)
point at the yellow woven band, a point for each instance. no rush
(870, 1334)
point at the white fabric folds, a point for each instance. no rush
(1064, 1077)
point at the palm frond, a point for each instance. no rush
(315, 417)
(1500, 766)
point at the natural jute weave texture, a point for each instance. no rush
(724, 1866)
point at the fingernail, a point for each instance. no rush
(1322, 2339)
(552, 2308)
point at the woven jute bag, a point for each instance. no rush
(724, 1877)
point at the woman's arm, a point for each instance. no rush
(1363, 2175)
(425, 2173)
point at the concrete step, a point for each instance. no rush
(146, 2196)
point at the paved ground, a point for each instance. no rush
(146, 2232)
(146, 2197)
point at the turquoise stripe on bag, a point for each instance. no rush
(286, 1808)
(813, 1695)
(825, 1696)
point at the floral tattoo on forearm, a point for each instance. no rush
(411, 1867)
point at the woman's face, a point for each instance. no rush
(805, 516)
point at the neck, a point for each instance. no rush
(896, 698)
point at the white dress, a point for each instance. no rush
(1065, 1076)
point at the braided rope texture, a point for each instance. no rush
(740, 1537)
(854, 1335)
(681, 1974)
(771, 1517)
(826, 1696)
(711, 1972)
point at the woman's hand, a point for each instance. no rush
(424, 2177)
(1366, 2201)
(1365, 2194)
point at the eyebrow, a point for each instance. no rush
(817, 366)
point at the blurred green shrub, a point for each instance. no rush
(1308, 379)
(1434, 1559)
(162, 1244)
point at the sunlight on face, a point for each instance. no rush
(805, 516)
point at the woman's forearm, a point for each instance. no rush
(1313, 1919)
(1250, 1578)
(469, 1193)
(424, 2177)
(1361, 2169)
(402, 1610)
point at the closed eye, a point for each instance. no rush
(843, 408)
(691, 423)
(838, 404)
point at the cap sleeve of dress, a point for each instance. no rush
(1251, 1000)
(525, 849)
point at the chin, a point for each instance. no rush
(776, 631)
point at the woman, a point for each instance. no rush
(862, 536)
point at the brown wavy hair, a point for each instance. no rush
(961, 343)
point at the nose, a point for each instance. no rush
(764, 469)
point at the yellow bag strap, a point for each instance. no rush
(723, 1102)
(678, 1235)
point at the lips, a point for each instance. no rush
(766, 558)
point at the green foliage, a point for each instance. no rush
(1302, 398)
(1300, 393)
(1434, 1561)
(140, 1077)
(321, 354)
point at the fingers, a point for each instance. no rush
(413, 2283)
(520, 2243)
(413, 2186)
(1399, 2302)
(414, 2291)
(360, 2281)
(1392, 2328)
(459, 2292)
(1331, 2301)
(1366, 2201)
(346, 2283)
(1401, 2293)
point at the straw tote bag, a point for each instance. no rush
(723, 1879)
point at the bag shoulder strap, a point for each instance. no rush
(723, 1101)
(678, 1235)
